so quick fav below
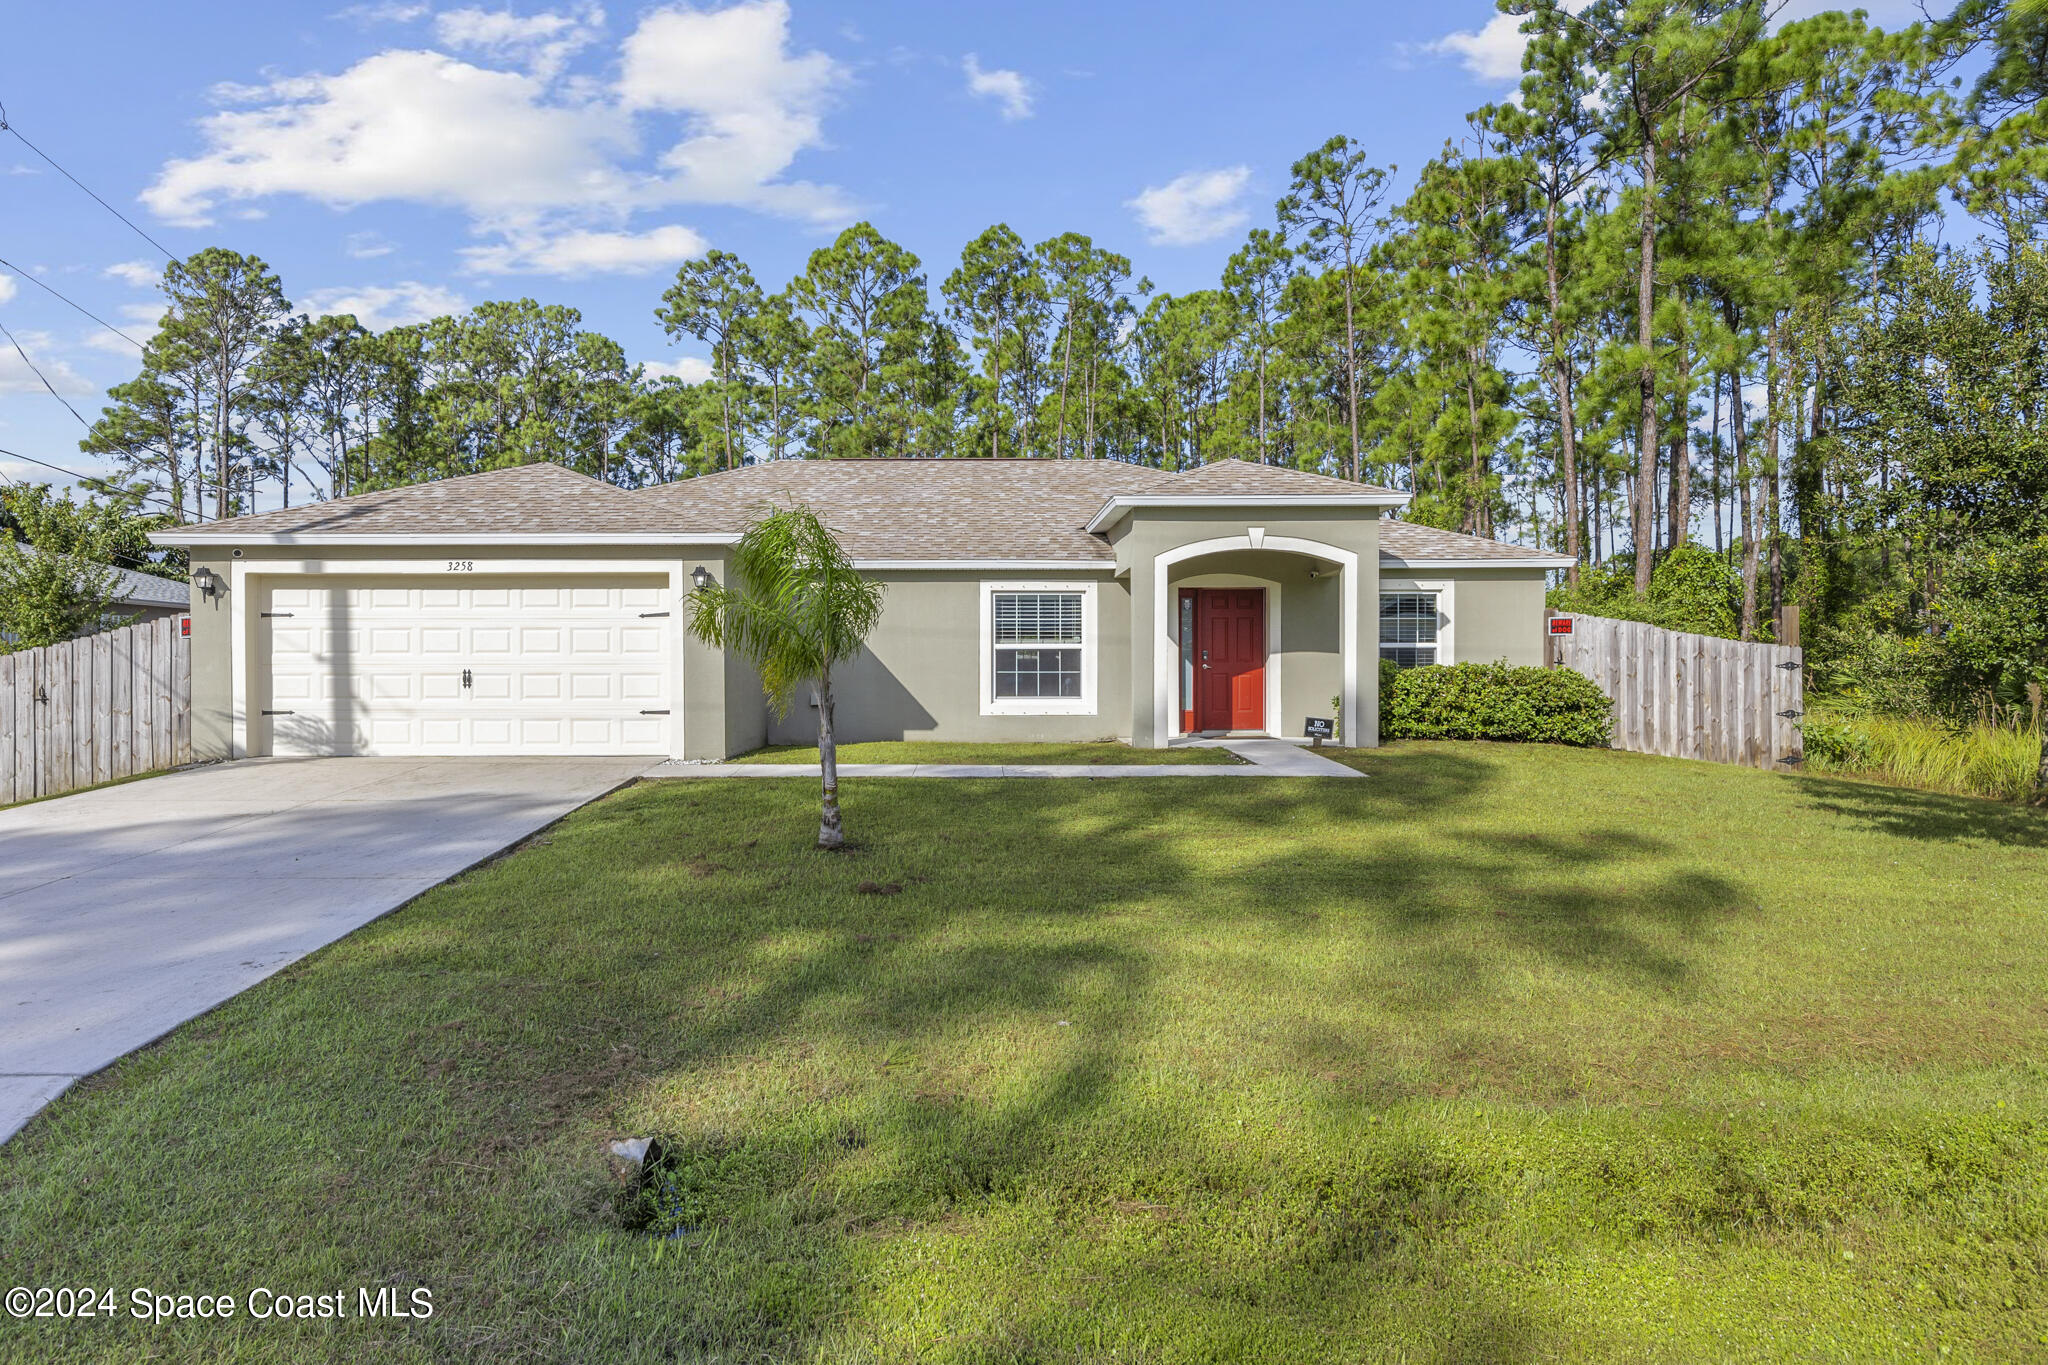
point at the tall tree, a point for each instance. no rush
(993, 292)
(865, 302)
(223, 309)
(1330, 207)
(713, 299)
(1255, 282)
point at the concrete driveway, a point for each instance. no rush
(126, 911)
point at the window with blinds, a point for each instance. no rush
(1038, 644)
(1408, 623)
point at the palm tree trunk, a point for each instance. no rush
(830, 834)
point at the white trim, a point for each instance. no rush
(438, 564)
(1388, 561)
(1275, 717)
(1091, 648)
(1446, 590)
(1166, 659)
(990, 565)
(429, 538)
(1113, 511)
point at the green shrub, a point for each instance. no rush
(1863, 669)
(1493, 701)
(1995, 761)
(1696, 590)
(1692, 589)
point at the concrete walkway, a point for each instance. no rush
(1262, 758)
(128, 910)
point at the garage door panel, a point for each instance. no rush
(378, 667)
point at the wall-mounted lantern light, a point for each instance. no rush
(701, 576)
(206, 580)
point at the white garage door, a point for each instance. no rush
(468, 665)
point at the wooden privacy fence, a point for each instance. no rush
(1692, 696)
(94, 709)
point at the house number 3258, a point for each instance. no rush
(461, 566)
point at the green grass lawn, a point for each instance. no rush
(1500, 1054)
(934, 751)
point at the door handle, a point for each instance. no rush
(466, 680)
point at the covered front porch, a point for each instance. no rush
(1254, 633)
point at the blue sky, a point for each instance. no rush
(404, 159)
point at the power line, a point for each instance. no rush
(40, 375)
(83, 480)
(47, 289)
(7, 127)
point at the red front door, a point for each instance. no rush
(1230, 659)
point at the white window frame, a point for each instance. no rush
(1446, 612)
(1083, 705)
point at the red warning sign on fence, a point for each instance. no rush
(1560, 625)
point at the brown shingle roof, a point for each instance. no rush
(1241, 478)
(924, 509)
(958, 509)
(1409, 543)
(531, 499)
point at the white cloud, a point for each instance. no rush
(392, 12)
(7, 288)
(691, 369)
(1199, 206)
(364, 246)
(585, 252)
(378, 306)
(416, 126)
(1492, 53)
(138, 320)
(541, 42)
(749, 105)
(1009, 89)
(135, 274)
(17, 377)
(515, 149)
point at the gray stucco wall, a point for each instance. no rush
(213, 711)
(1494, 614)
(1151, 532)
(1500, 616)
(920, 676)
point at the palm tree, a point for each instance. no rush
(794, 606)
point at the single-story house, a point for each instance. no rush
(533, 610)
(143, 597)
(138, 598)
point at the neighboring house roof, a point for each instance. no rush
(138, 589)
(883, 510)
(134, 588)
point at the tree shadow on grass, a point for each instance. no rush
(1906, 813)
(672, 958)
